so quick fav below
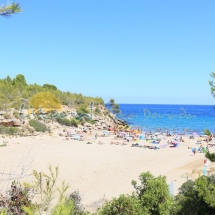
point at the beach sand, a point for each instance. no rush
(99, 172)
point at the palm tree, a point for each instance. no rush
(9, 9)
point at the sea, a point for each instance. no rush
(176, 118)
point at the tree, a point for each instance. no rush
(113, 107)
(10, 9)
(124, 205)
(153, 194)
(207, 132)
(49, 86)
(212, 84)
(19, 80)
(190, 201)
(210, 156)
(196, 197)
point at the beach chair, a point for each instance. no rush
(77, 137)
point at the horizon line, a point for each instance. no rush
(163, 104)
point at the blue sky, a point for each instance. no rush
(157, 52)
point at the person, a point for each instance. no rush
(96, 136)
(194, 151)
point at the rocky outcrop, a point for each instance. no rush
(10, 122)
(120, 122)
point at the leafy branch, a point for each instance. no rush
(8, 10)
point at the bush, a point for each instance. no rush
(38, 126)
(39, 118)
(45, 188)
(17, 197)
(192, 198)
(124, 205)
(77, 207)
(67, 122)
(8, 130)
(83, 109)
(153, 194)
(207, 132)
(16, 114)
(74, 122)
(97, 111)
(64, 121)
(7, 116)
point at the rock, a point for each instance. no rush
(10, 122)
(88, 124)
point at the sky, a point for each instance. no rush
(140, 51)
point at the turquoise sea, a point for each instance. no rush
(176, 118)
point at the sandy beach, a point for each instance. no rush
(98, 171)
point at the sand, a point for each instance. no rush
(99, 172)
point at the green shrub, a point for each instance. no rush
(74, 122)
(67, 122)
(16, 197)
(91, 121)
(38, 126)
(7, 116)
(153, 194)
(16, 114)
(106, 113)
(8, 130)
(124, 205)
(97, 111)
(39, 118)
(83, 109)
(207, 132)
(196, 197)
(64, 121)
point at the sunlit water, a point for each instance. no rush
(177, 118)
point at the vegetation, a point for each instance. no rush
(9, 9)
(45, 102)
(153, 194)
(151, 197)
(97, 111)
(67, 122)
(15, 92)
(124, 205)
(195, 197)
(45, 190)
(83, 109)
(38, 126)
(8, 130)
(113, 107)
(212, 84)
(207, 132)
